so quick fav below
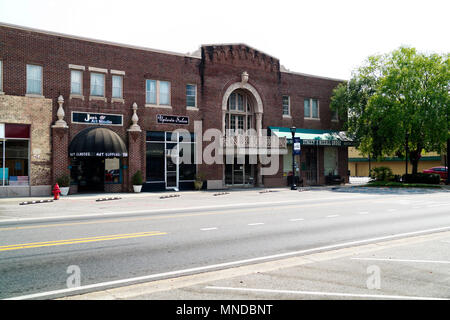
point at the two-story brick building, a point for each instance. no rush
(100, 111)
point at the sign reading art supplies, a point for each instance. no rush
(297, 148)
(161, 118)
(97, 118)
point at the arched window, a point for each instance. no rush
(239, 116)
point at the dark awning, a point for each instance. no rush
(97, 142)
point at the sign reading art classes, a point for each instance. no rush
(160, 118)
(97, 118)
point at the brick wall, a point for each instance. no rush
(213, 72)
(37, 113)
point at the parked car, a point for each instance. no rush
(442, 171)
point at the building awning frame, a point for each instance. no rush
(97, 142)
(314, 137)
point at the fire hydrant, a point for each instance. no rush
(56, 192)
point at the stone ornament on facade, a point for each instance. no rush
(134, 118)
(244, 77)
(60, 123)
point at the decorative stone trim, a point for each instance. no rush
(76, 96)
(97, 98)
(32, 95)
(119, 100)
(95, 69)
(60, 123)
(192, 109)
(117, 72)
(77, 67)
(158, 106)
(134, 119)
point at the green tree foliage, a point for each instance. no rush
(396, 100)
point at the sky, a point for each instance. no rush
(318, 37)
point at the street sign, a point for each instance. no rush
(297, 148)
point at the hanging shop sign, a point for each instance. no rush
(97, 118)
(161, 118)
(333, 143)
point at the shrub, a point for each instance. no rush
(137, 179)
(200, 176)
(381, 174)
(63, 181)
(428, 178)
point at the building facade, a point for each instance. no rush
(100, 111)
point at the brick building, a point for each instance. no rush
(100, 111)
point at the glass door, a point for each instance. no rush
(172, 163)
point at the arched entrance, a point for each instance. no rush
(96, 159)
(242, 111)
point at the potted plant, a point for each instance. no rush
(137, 181)
(198, 182)
(64, 184)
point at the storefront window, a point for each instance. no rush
(187, 170)
(112, 170)
(15, 166)
(155, 161)
(159, 161)
(2, 167)
(14, 154)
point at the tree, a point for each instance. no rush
(397, 102)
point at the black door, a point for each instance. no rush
(91, 175)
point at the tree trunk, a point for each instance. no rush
(414, 157)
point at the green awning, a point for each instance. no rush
(314, 137)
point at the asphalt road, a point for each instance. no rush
(38, 256)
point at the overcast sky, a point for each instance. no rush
(326, 38)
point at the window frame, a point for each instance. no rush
(118, 76)
(311, 108)
(75, 94)
(195, 96)
(232, 116)
(104, 84)
(288, 114)
(157, 103)
(34, 94)
(168, 93)
(334, 115)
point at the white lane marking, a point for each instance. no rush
(403, 260)
(318, 293)
(224, 265)
(332, 216)
(363, 212)
(392, 210)
(225, 206)
(416, 207)
(297, 219)
(208, 229)
(256, 224)
(438, 205)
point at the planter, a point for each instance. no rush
(198, 185)
(137, 188)
(64, 191)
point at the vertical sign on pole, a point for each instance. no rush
(297, 148)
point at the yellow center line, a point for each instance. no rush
(160, 217)
(80, 240)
